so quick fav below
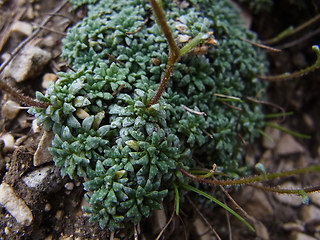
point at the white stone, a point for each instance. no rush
(202, 229)
(293, 226)
(257, 203)
(47, 78)
(82, 114)
(10, 109)
(14, 205)
(288, 145)
(69, 186)
(28, 63)
(315, 198)
(301, 236)
(35, 178)
(182, 38)
(47, 207)
(23, 28)
(42, 154)
(310, 213)
(289, 199)
(273, 137)
(159, 220)
(9, 142)
(35, 126)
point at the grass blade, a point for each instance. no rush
(188, 187)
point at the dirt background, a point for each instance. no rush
(56, 202)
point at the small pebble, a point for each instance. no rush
(21, 140)
(30, 13)
(69, 186)
(273, 137)
(159, 220)
(48, 41)
(42, 154)
(310, 213)
(288, 145)
(182, 28)
(9, 142)
(202, 229)
(82, 114)
(22, 28)
(293, 226)
(49, 237)
(47, 78)
(35, 178)
(10, 109)
(35, 126)
(45, 179)
(309, 121)
(315, 198)
(5, 56)
(301, 236)
(27, 64)
(182, 38)
(14, 205)
(59, 215)
(47, 207)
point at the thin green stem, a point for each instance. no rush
(290, 31)
(177, 199)
(302, 191)
(259, 178)
(276, 115)
(296, 74)
(193, 43)
(293, 133)
(188, 187)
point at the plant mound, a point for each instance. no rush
(130, 153)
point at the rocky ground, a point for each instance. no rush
(36, 203)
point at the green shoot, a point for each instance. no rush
(177, 198)
(193, 43)
(285, 130)
(291, 30)
(297, 74)
(265, 135)
(254, 179)
(188, 187)
(276, 115)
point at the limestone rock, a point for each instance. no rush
(301, 236)
(310, 213)
(45, 179)
(14, 205)
(27, 64)
(315, 198)
(22, 28)
(288, 145)
(42, 154)
(10, 109)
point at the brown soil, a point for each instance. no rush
(56, 207)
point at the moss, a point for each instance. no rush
(130, 154)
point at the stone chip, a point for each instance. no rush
(14, 205)
(27, 64)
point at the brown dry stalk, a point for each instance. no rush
(18, 96)
(254, 179)
(174, 53)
